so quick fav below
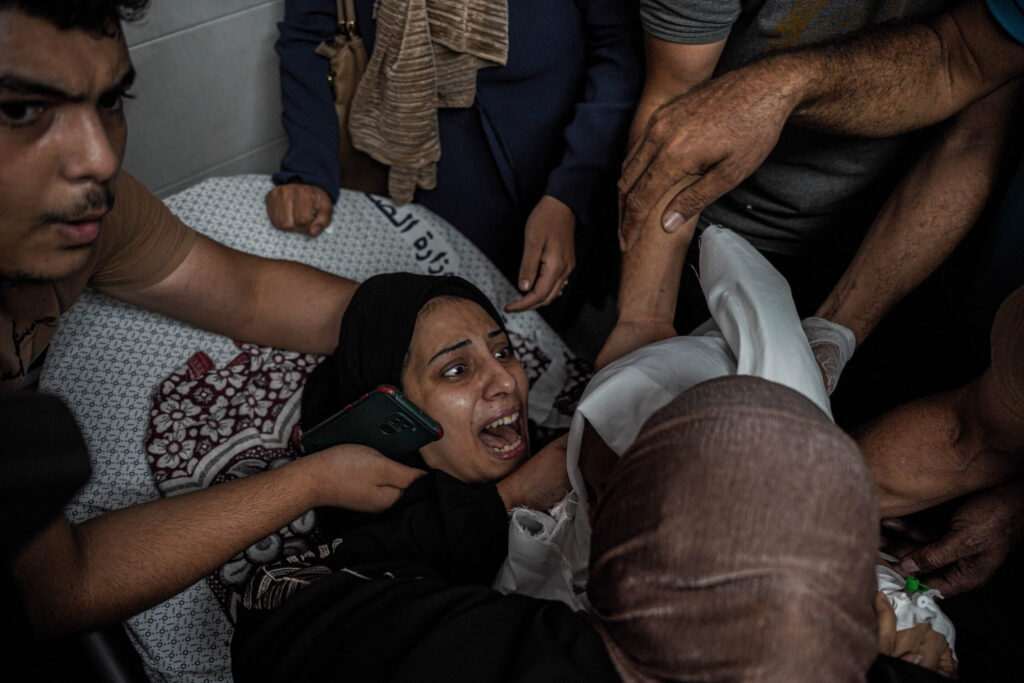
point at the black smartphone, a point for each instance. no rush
(383, 419)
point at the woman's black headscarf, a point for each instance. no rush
(375, 335)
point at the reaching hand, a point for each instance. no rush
(708, 141)
(541, 482)
(549, 254)
(359, 478)
(299, 207)
(629, 335)
(978, 538)
(919, 644)
(833, 346)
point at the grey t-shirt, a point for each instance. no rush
(815, 191)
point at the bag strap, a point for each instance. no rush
(346, 18)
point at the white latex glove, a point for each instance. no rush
(833, 346)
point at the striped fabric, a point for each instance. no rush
(426, 55)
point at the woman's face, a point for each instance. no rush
(463, 373)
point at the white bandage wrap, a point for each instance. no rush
(833, 346)
(914, 608)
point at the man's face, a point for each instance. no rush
(62, 137)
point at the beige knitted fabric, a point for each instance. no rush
(426, 55)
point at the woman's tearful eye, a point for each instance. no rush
(21, 113)
(505, 353)
(454, 371)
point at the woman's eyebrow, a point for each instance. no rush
(448, 349)
(458, 345)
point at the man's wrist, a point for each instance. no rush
(302, 478)
(799, 80)
(794, 79)
(509, 492)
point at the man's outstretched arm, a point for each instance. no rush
(275, 303)
(887, 82)
(932, 209)
(111, 567)
(649, 286)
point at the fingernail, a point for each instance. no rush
(908, 565)
(622, 241)
(524, 285)
(674, 221)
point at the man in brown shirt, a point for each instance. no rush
(135, 245)
(69, 218)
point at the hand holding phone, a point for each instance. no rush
(383, 419)
(357, 478)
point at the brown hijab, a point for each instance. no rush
(744, 549)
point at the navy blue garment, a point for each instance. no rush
(552, 121)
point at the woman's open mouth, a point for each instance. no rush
(504, 437)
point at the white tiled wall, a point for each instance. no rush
(207, 92)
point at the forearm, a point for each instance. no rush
(651, 272)
(924, 453)
(672, 69)
(273, 303)
(648, 290)
(120, 563)
(652, 268)
(298, 307)
(898, 78)
(927, 215)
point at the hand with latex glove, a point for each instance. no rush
(833, 346)
(976, 541)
